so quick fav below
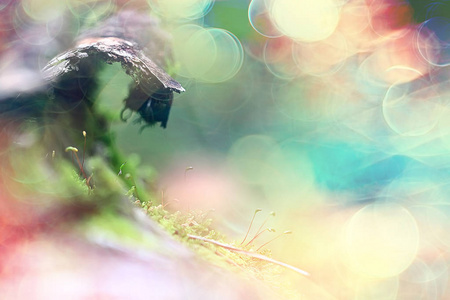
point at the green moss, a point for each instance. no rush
(196, 223)
(109, 227)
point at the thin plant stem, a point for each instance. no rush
(277, 237)
(74, 152)
(186, 170)
(84, 148)
(129, 176)
(251, 254)
(265, 221)
(81, 167)
(258, 234)
(249, 227)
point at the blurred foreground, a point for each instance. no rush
(333, 114)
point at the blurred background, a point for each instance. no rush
(334, 114)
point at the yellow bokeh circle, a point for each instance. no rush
(381, 240)
(306, 20)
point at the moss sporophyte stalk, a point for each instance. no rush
(193, 228)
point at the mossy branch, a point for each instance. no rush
(251, 254)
